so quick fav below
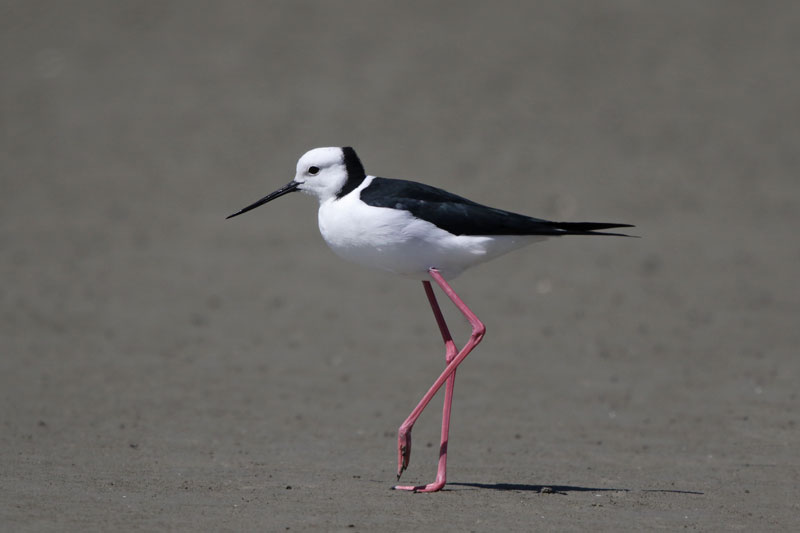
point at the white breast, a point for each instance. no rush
(396, 241)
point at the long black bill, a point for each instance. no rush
(286, 189)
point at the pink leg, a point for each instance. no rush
(404, 451)
(453, 359)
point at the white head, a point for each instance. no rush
(327, 173)
(321, 172)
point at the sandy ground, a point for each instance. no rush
(165, 369)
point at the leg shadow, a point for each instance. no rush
(560, 489)
(544, 489)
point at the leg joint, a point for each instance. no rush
(478, 331)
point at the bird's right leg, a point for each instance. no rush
(404, 433)
(448, 376)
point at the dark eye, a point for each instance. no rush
(313, 170)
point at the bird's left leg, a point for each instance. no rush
(453, 358)
(404, 434)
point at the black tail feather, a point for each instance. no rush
(589, 228)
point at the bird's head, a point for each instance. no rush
(326, 173)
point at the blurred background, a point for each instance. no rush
(161, 367)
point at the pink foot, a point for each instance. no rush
(403, 450)
(430, 487)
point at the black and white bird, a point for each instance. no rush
(421, 232)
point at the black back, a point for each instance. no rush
(461, 216)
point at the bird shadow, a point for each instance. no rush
(558, 489)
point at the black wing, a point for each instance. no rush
(460, 216)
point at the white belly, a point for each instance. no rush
(395, 241)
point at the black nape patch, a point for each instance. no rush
(355, 171)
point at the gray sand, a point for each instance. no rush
(165, 369)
